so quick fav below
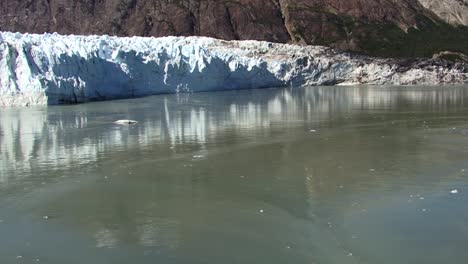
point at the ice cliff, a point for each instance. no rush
(55, 69)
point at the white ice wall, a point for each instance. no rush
(54, 69)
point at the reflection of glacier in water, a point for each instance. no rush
(69, 136)
(196, 170)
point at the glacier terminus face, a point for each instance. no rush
(54, 69)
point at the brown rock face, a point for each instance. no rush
(454, 12)
(376, 27)
(239, 19)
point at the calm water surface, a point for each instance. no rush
(315, 175)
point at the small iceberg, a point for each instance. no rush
(125, 122)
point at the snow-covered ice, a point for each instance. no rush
(55, 69)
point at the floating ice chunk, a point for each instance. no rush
(198, 156)
(261, 211)
(125, 122)
(45, 217)
(313, 130)
(455, 191)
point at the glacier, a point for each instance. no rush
(54, 69)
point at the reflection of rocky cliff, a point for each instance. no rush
(378, 27)
(59, 137)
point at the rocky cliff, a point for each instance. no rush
(452, 11)
(376, 27)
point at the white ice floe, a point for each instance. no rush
(455, 191)
(125, 122)
(56, 69)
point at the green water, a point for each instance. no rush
(314, 175)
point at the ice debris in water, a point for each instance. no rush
(45, 217)
(125, 122)
(455, 191)
(198, 156)
(313, 130)
(261, 211)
